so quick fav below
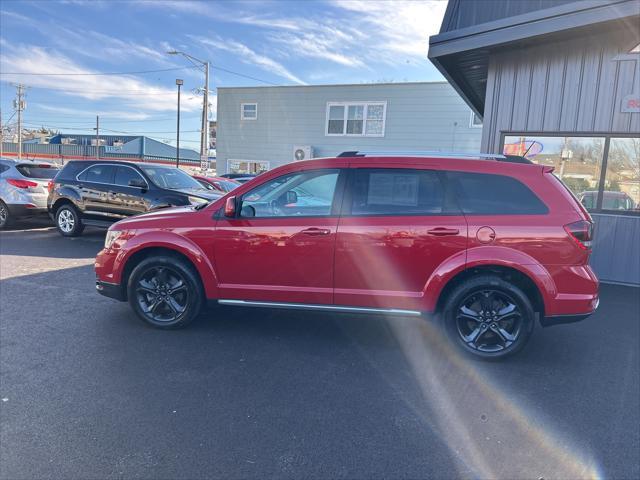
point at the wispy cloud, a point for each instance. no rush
(249, 56)
(139, 93)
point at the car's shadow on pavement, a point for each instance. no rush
(294, 391)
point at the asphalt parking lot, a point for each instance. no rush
(88, 391)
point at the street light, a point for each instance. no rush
(204, 133)
(179, 83)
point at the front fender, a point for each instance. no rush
(483, 256)
(170, 241)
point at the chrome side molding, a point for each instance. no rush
(326, 308)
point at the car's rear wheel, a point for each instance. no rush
(488, 317)
(68, 221)
(165, 292)
(5, 216)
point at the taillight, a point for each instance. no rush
(581, 232)
(21, 183)
(50, 186)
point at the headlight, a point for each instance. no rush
(111, 237)
(196, 200)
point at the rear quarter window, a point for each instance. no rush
(71, 169)
(488, 194)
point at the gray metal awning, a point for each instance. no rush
(462, 55)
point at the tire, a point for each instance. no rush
(474, 323)
(68, 221)
(6, 220)
(165, 292)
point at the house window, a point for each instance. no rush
(475, 121)
(249, 111)
(356, 118)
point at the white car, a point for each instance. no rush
(23, 188)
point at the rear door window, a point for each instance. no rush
(487, 194)
(99, 174)
(382, 191)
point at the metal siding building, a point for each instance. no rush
(559, 81)
(418, 116)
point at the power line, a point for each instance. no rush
(215, 67)
(139, 72)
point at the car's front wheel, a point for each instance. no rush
(68, 221)
(165, 292)
(488, 317)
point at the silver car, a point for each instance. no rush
(23, 188)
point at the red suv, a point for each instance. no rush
(488, 244)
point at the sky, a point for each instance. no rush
(249, 43)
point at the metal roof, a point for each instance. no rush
(470, 30)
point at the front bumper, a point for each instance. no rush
(111, 290)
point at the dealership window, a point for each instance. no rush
(622, 178)
(580, 161)
(249, 111)
(356, 118)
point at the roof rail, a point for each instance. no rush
(434, 154)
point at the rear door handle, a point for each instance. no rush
(316, 231)
(442, 231)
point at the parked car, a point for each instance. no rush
(239, 177)
(610, 200)
(484, 245)
(219, 184)
(23, 189)
(98, 193)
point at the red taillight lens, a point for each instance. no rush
(50, 186)
(581, 232)
(21, 183)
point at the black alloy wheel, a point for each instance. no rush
(165, 292)
(488, 320)
(489, 317)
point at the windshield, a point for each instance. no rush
(171, 178)
(43, 171)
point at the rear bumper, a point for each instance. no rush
(21, 210)
(552, 320)
(111, 290)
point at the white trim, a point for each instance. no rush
(267, 163)
(471, 117)
(242, 117)
(346, 106)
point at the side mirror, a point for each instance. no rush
(292, 197)
(137, 183)
(230, 207)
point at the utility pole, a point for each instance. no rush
(19, 105)
(1, 133)
(204, 136)
(179, 83)
(97, 137)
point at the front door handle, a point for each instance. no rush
(442, 231)
(316, 231)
